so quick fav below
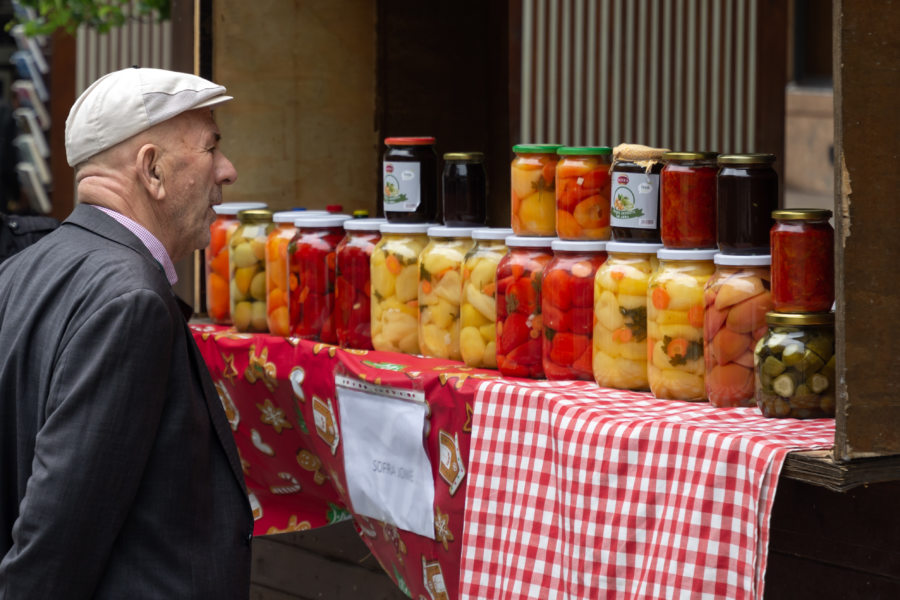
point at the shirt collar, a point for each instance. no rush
(148, 239)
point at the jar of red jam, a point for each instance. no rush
(247, 270)
(464, 189)
(567, 308)
(410, 180)
(352, 290)
(277, 289)
(533, 191)
(747, 193)
(216, 258)
(634, 197)
(582, 193)
(688, 201)
(802, 260)
(520, 328)
(312, 276)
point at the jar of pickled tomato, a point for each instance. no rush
(410, 180)
(620, 315)
(520, 327)
(567, 308)
(634, 199)
(795, 366)
(440, 290)
(802, 260)
(218, 303)
(277, 290)
(478, 313)
(746, 195)
(533, 195)
(394, 272)
(737, 298)
(582, 193)
(688, 200)
(675, 314)
(247, 270)
(352, 290)
(311, 268)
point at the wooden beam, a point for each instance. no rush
(62, 95)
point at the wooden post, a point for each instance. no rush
(62, 95)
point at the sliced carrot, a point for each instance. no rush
(426, 286)
(393, 265)
(413, 304)
(695, 316)
(303, 294)
(489, 289)
(617, 274)
(677, 347)
(660, 298)
(622, 335)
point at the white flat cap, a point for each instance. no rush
(124, 103)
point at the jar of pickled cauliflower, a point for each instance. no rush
(533, 179)
(737, 298)
(394, 272)
(582, 193)
(218, 303)
(620, 315)
(567, 308)
(312, 276)
(675, 314)
(478, 312)
(247, 270)
(277, 290)
(520, 328)
(352, 289)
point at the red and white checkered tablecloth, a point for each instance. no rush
(583, 492)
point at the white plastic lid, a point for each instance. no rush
(233, 208)
(442, 231)
(579, 245)
(528, 241)
(286, 216)
(743, 260)
(491, 233)
(670, 254)
(406, 227)
(367, 224)
(633, 247)
(321, 220)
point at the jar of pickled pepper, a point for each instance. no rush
(688, 200)
(533, 192)
(218, 303)
(737, 298)
(312, 276)
(352, 290)
(440, 290)
(478, 312)
(277, 290)
(675, 315)
(634, 210)
(567, 308)
(802, 260)
(520, 327)
(247, 270)
(746, 195)
(394, 270)
(582, 193)
(620, 315)
(410, 180)
(464, 189)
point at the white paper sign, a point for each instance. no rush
(388, 472)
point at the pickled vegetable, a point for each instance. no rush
(478, 312)
(277, 289)
(352, 291)
(802, 261)
(247, 270)
(440, 291)
(582, 193)
(533, 191)
(218, 301)
(688, 200)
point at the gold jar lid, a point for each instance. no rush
(255, 215)
(746, 159)
(677, 156)
(802, 214)
(814, 318)
(470, 156)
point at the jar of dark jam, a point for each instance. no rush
(688, 201)
(802, 260)
(747, 193)
(634, 201)
(464, 186)
(410, 180)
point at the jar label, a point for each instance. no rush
(635, 200)
(402, 185)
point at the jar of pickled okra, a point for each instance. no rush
(635, 191)
(746, 195)
(688, 200)
(277, 290)
(247, 270)
(478, 312)
(533, 189)
(410, 180)
(802, 260)
(352, 289)
(582, 193)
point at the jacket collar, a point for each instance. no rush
(89, 218)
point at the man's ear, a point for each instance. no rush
(150, 170)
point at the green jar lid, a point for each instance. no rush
(746, 159)
(584, 150)
(676, 156)
(815, 318)
(255, 215)
(802, 214)
(536, 148)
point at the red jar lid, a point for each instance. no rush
(408, 141)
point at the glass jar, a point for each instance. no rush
(795, 366)
(520, 326)
(582, 193)
(464, 186)
(688, 201)
(675, 324)
(634, 210)
(312, 276)
(747, 193)
(567, 308)
(620, 315)
(478, 313)
(278, 315)
(737, 298)
(218, 303)
(410, 176)
(440, 290)
(533, 190)
(802, 260)
(247, 270)
(394, 272)
(352, 290)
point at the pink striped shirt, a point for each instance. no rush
(148, 239)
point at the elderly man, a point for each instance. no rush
(119, 477)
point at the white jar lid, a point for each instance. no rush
(321, 220)
(442, 231)
(579, 245)
(233, 208)
(528, 241)
(367, 224)
(743, 260)
(491, 233)
(633, 247)
(405, 227)
(672, 254)
(286, 216)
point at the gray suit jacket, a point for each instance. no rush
(119, 477)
